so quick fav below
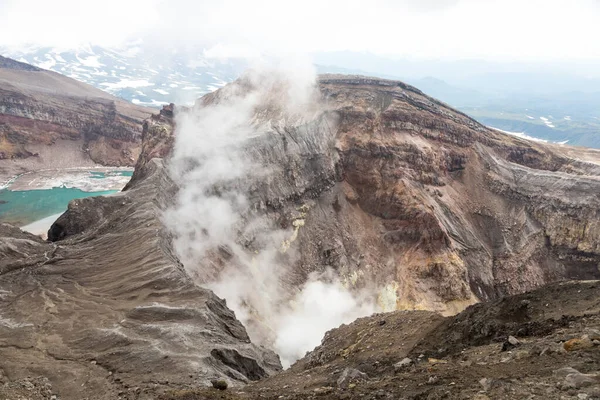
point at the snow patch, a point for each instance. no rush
(90, 61)
(547, 122)
(151, 103)
(522, 135)
(48, 64)
(127, 83)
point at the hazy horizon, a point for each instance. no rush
(497, 31)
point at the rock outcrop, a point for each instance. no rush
(109, 311)
(395, 190)
(40, 108)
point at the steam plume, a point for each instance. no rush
(224, 238)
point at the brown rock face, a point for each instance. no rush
(39, 107)
(157, 139)
(461, 211)
(400, 192)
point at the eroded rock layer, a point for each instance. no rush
(40, 108)
(395, 190)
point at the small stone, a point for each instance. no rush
(596, 342)
(579, 380)
(486, 384)
(349, 376)
(546, 350)
(323, 390)
(513, 340)
(402, 364)
(593, 334)
(563, 372)
(582, 396)
(220, 384)
(510, 343)
(535, 350)
(433, 380)
(578, 344)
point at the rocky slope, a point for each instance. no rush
(39, 108)
(109, 312)
(395, 190)
(542, 344)
(392, 190)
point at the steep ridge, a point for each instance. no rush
(39, 108)
(110, 312)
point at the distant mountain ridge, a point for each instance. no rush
(136, 74)
(41, 111)
(541, 101)
(545, 105)
(9, 63)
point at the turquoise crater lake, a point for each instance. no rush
(51, 192)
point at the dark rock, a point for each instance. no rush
(219, 384)
(247, 366)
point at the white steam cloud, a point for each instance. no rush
(227, 243)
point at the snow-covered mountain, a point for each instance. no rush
(135, 73)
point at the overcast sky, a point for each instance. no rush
(510, 30)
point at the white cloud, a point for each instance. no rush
(492, 29)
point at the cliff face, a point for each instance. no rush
(395, 190)
(39, 107)
(458, 212)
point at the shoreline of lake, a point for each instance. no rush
(32, 198)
